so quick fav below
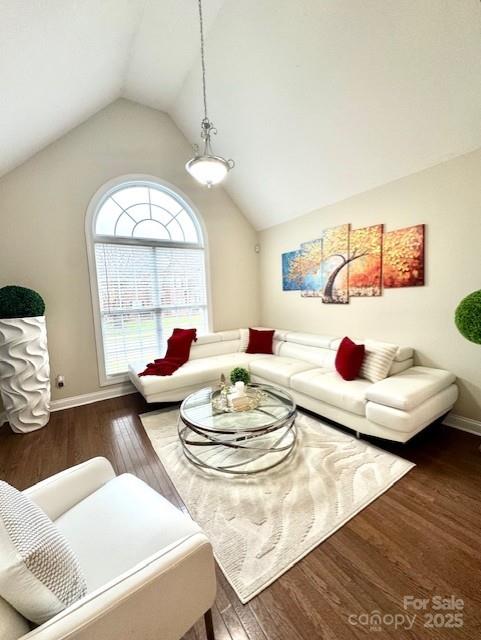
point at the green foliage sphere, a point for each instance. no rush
(239, 374)
(468, 317)
(19, 302)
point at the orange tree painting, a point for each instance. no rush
(365, 277)
(403, 257)
(358, 262)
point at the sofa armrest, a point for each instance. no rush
(408, 389)
(64, 490)
(160, 598)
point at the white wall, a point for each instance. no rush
(448, 199)
(42, 242)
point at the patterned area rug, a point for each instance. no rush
(261, 525)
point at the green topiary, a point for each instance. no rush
(19, 302)
(239, 374)
(468, 317)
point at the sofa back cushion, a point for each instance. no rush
(215, 344)
(310, 339)
(314, 355)
(12, 625)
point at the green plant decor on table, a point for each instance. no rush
(20, 302)
(468, 317)
(239, 374)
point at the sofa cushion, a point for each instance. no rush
(199, 371)
(40, 575)
(12, 624)
(410, 388)
(278, 369)
(317, 356)
(417, 418)
(397, 367)
(310, 339)
(121, 524)
(218, 348)
(329, 387)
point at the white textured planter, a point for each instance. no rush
(25, 373)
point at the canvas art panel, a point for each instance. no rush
(403, 257)
(312, 269)
(335, 259)
(289, 282)
(365, 268)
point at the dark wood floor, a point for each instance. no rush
(421, 538)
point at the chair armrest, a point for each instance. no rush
(61, 492)
(160, 598)
(408, 389)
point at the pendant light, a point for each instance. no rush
(205, 167)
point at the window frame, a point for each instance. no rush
(99, 198)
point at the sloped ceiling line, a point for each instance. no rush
(315, 101)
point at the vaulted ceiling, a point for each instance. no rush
(316, 100)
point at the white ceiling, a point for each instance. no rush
(316, 100)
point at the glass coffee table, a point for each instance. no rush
(238, 442)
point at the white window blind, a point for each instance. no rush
(146, 287)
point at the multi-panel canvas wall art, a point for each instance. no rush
(347, 262)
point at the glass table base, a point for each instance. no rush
(238, 452)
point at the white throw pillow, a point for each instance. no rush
(244, 339)
(378, 359)
(39, 573)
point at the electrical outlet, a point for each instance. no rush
(60, 382)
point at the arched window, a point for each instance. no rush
(146, 254)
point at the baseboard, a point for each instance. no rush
(463, 424)
(115, 391)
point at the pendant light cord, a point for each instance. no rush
(202, 56)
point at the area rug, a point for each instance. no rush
(261, 525)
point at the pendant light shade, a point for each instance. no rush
(208, 170)
(205, 167)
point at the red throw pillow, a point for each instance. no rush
(349, 359)
(260, 341)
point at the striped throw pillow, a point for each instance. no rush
(244, 339)
(378, 359)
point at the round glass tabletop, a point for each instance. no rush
(275, 406)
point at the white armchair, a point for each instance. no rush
(149, 568)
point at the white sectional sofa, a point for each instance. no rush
(395, 408)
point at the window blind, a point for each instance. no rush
(144, 292)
